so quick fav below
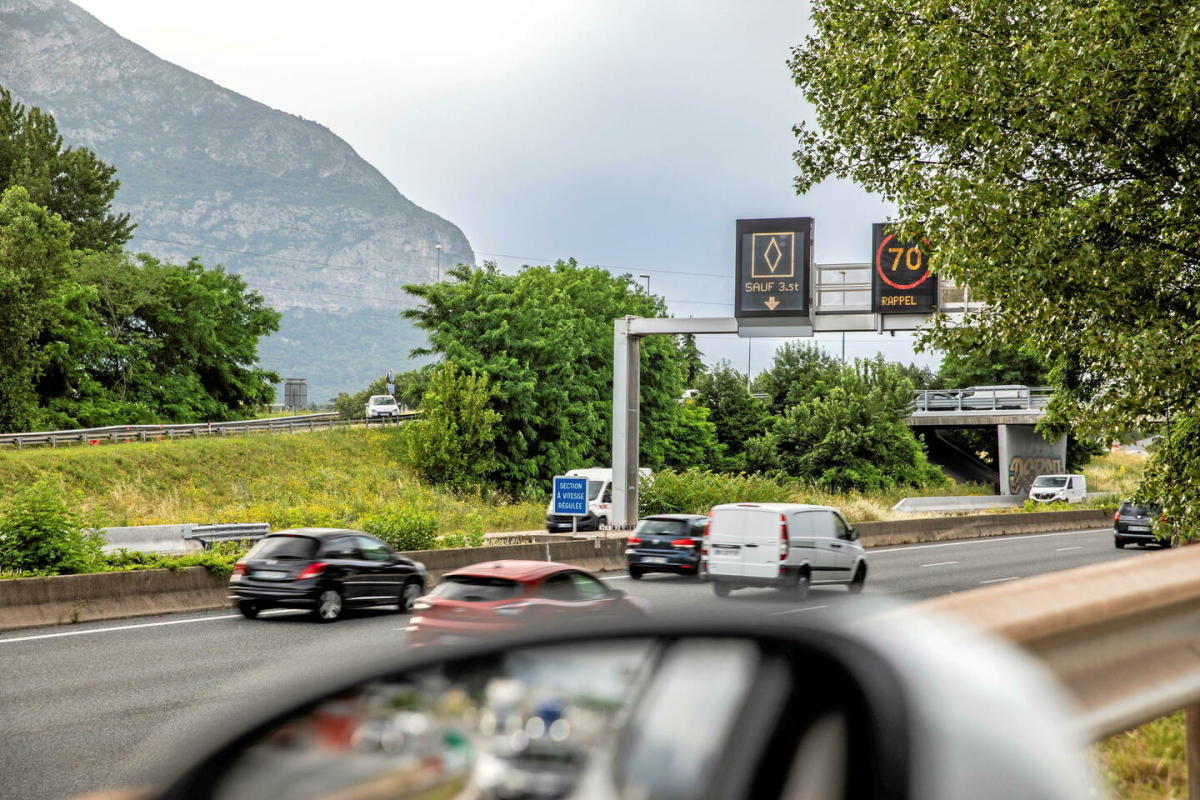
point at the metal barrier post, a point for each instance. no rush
(1192, 726)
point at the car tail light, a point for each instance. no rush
(240, 568)
(633, 540)
(312, 570)
(689, 542)
(1116, 515)
(783, 539)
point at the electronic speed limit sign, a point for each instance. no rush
(901, 282)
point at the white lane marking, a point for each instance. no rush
(616, 578)
(1002, 580)
(990, 540)
(939, 564)
(1061, 549)
(794, 610)
(140, 625)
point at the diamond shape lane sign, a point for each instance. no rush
(773, 258)
(570, 496)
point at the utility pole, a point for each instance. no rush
(438, 248)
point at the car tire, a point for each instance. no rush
(408, 595)
(1120, 545)
(721, 588)
(635, 573)
(249, 610)
(601, 524)
(798, 587)
(330, 605)
(859, 580)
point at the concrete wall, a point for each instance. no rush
(1024, 455)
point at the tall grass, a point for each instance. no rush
(332, 478)
(1146, 763)
(1117, 471)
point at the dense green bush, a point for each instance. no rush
(695, 491)
(219, 559)
(39, 534)
(453, 444)
(403, 528)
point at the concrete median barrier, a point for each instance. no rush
(935, 529)
(63, 599)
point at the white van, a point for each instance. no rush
(785, 545)
(599, 501)
(1058, 489)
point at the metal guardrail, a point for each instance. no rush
(227, 532)
(1122, 637)
(982, 398)
(144, 433)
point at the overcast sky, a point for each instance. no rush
(628, 133)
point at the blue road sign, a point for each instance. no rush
(570, 496)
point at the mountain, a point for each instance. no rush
(207, 172)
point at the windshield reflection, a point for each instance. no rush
(520, 726)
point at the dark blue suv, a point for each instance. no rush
(666, 543)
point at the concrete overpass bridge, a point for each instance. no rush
(1012, 411)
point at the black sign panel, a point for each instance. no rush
(901, 282)
(773, 259)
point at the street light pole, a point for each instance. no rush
(438, 248)
(647, 277)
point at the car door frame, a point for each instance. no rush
(382, 580)
(833, 562)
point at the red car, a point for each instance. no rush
(497, 596)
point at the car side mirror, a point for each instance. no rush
(550, 712)
(617, 594)
(852, 534)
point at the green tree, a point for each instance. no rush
(70, 182)
(454, 441)
(852, 437)
(737, 415)
(797, 373)
(543, 338)
(982, 362)
(1047, 148)
(33, 254)
(136, 340)
(692, 360)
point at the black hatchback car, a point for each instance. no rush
(324, 569)
(666, 543)
(1134, 524)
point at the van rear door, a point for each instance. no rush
(726, 535)
(761, 550)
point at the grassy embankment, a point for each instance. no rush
(327, 478)
(337, 477)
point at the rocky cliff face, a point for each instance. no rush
(207, 172)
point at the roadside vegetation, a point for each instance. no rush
(1146, 763)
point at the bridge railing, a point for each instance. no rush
(981, 398)
(143, 433)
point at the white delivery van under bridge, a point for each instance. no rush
(783, 545)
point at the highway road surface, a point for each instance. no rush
(77, 701)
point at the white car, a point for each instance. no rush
(784, 545)
(382, 405)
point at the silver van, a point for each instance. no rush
(783, 545)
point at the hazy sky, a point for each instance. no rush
(628, 133)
